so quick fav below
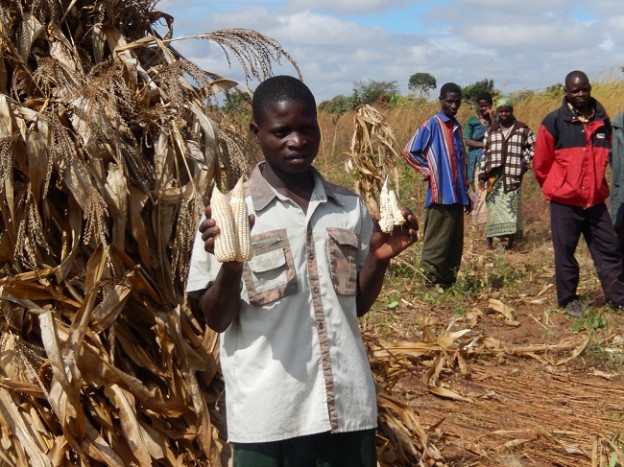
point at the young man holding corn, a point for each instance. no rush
(299, 389)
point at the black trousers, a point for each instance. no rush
(567, 225)
(620, 233)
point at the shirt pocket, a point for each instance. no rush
(343, 249)
(270, 274)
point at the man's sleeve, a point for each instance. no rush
(366, 230)
(544, 154)
(529, 150)
(203, 268)
(485, 157)
(416, 149)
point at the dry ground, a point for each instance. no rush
(537, 388)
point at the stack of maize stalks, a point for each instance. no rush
(372, 155)
(107, 156)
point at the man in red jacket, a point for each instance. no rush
(571, 155)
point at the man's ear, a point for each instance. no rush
(253, 127)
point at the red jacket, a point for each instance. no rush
(571, 157)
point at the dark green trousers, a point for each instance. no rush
(353, 449)
(443, 243)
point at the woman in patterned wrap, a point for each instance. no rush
(507, 155)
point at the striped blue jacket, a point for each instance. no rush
(429, 152)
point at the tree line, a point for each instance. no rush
(373, 92)
(420, 86)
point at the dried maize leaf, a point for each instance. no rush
(23, 430)
(143, 447)
(449, 394)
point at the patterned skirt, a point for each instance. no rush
(504, 214)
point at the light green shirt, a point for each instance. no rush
(293, 361)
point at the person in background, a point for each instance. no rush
(474, 134)
(571, 155)
(616, 199)
(299, 388)
(436, 150)
(507, 156)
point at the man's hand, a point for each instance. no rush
(386, 246)
(468, 208)
(209, 229)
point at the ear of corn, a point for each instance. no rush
(233, 243)
(225, 242)
(397, 215)
(241, 222)
(389, 209)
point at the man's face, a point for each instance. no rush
(505, 115)
(578, 91)
(288, 135)
(450, 103)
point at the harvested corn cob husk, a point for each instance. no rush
(389, 209)
(232, 243)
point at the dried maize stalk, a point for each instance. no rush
(233, 241)
(389, 210)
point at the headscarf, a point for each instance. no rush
(504, 102)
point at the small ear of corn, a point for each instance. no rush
(397, 215)
(389, 209)
(241, 222)
(225, 242)
(386, 221)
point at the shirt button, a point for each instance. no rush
(315, 290)
(311, 256)
(321, 326)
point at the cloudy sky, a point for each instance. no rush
(528, 44)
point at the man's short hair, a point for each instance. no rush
(278, 89)
(573, 74)
(448, 88)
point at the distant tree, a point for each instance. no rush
(372, 92)
(337, 106)
(470, 92)
(522, 95)
(237, 103)
(554, 90)
(421, 83)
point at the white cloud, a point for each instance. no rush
(607, 43)
(520, 45)
(527, 6)
(306, 28)
(347, 6)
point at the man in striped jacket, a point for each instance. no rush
(437, 151)
(571, 155)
